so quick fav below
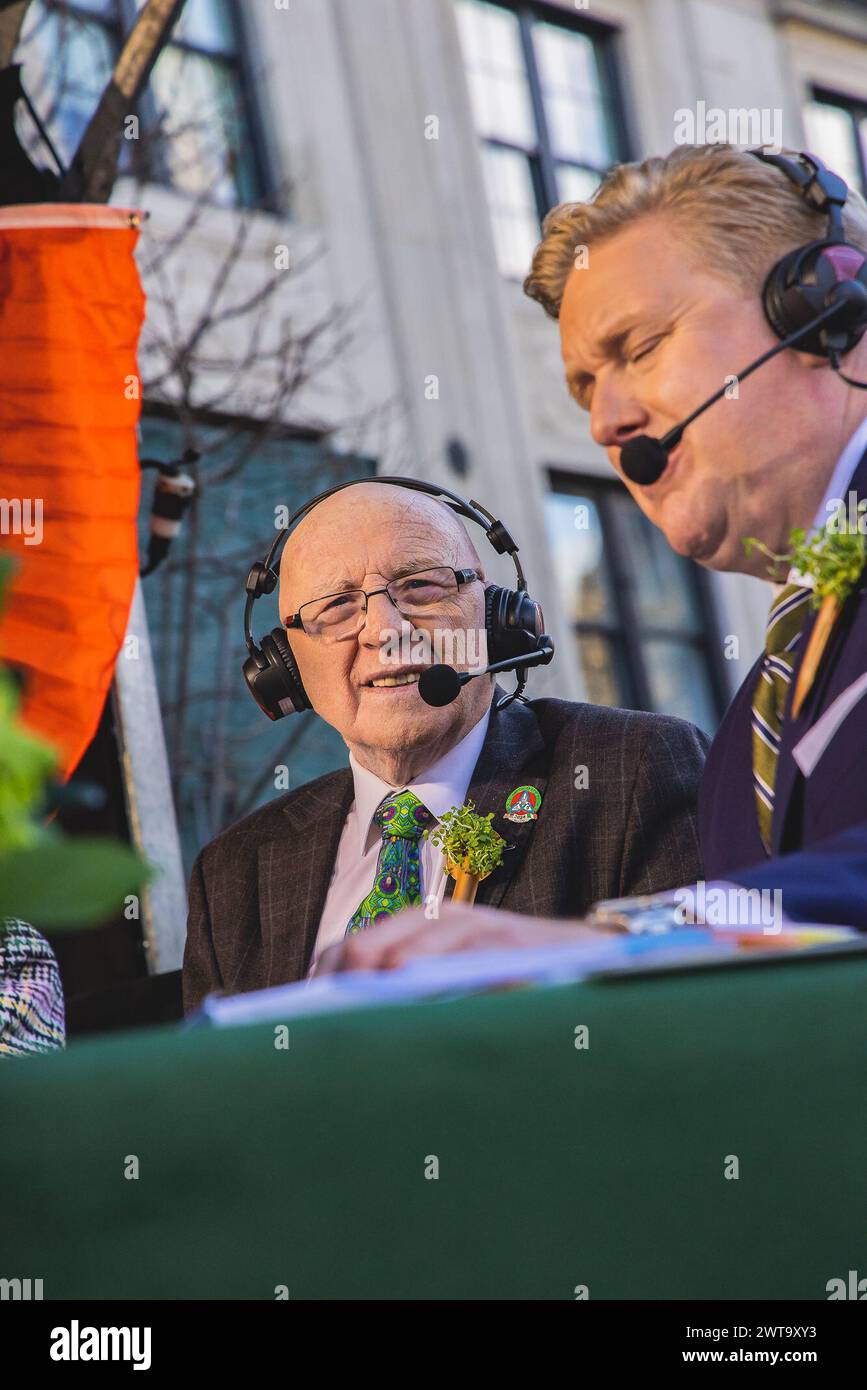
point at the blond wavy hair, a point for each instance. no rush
(737, 215)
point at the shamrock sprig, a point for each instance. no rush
(468, 840)
(833, 558)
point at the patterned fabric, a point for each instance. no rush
(31, 997)
(256, 896)
(785, 625)
(403, 820)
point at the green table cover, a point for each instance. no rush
(559, 1166)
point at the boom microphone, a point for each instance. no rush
(644, 459)
(441, 684)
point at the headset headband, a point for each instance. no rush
(473, 511)
(824, 190)
(513, 620)
(262, 579)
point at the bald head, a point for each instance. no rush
(363, 681)
(350, 536)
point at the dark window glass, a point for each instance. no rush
(205, 24)
(640, 613)
(222, 750)
(574, 102)
(546, 111)
(836, 129)
(512, 202)
(67, 58)
(196, 126)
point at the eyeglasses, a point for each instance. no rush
(424, 594)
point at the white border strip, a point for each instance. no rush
(31, 215)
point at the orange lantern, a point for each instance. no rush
(71, 308)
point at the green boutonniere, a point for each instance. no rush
(472, 848)
(833, 558)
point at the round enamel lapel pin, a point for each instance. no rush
(523, 804)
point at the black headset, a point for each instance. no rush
(513, 620)
(798, 287)
(814, 298)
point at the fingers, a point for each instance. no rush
(361, 950)
(480, 930)
(459, 928)
(330, 961)
(366, 949)
(443, 942)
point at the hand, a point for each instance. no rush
(458, 928)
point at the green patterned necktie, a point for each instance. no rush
(785, 625)
(403, 820)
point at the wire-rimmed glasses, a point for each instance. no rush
(428, 593)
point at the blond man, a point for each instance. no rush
(661, 306)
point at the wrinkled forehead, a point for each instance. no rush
(643, 276)
(371, 529)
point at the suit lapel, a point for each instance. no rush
(295, 867)
(793, 730)
(294, 873)
(513, 754)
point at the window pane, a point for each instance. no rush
(576, 185)
(222, 751)
(678, 680)
(580, 565)
(67, 63)
(513, 209)
(831, 135)
(663, 589)
(205, 24)
(572, 95)
(601, 660)
(496, 72)
(656, 592)
(204, 148)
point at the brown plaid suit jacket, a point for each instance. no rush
(257, 890)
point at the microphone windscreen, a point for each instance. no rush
(643, 459)
(439, 685)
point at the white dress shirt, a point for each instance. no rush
(838, 490)
(844, 470)
(439, 788)
(838, 487)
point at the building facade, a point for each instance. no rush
(395, 157)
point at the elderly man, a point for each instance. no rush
(336, 858)
(668, 301)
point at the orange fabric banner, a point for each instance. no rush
(71, 308)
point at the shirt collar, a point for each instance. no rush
(440, 787)
(844, 470)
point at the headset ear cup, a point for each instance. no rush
(495, 622)
(490, 597)
(772, 297)
(273, 677)
(789, 299)
(510, 616)
(294, 685)
(798, 287)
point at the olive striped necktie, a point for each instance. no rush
(785, 625)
